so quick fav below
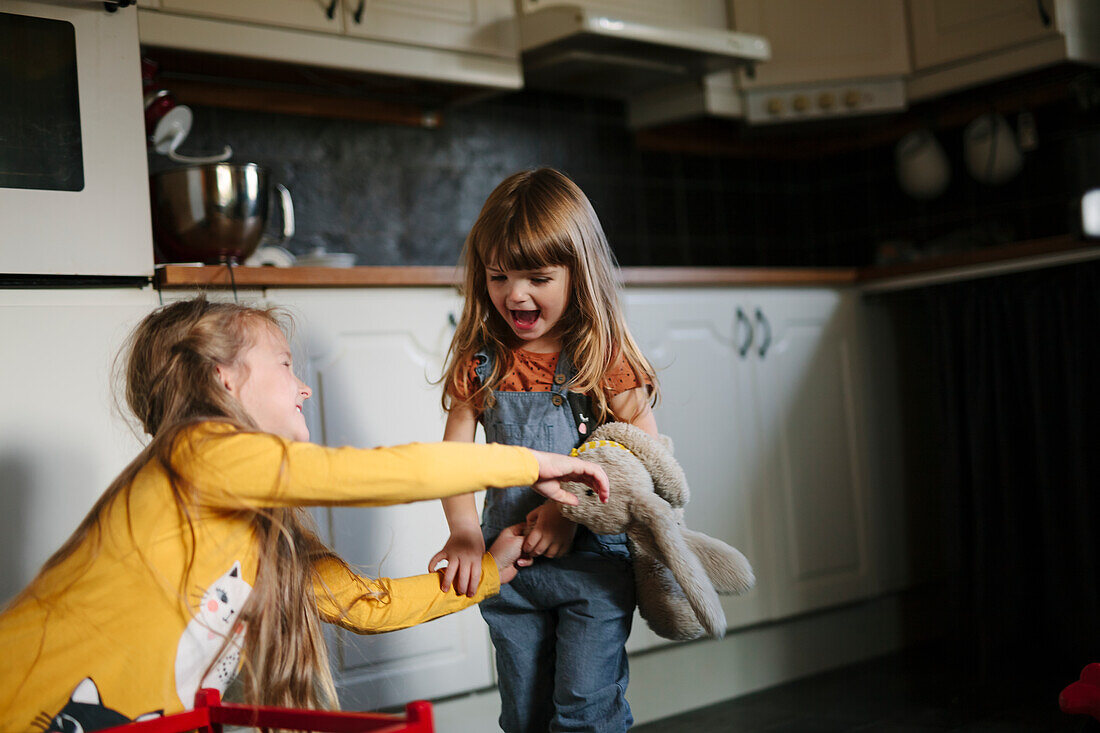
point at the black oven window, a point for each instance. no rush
(39, 105)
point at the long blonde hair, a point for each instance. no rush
(171, 385)
(534, 219)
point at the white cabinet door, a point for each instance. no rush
(308, 14)
(479, 26)
(759, 395)
(370, 356)
(62, 440)
(948, 30)
(810, 435)
(690, 338)
(825, 40)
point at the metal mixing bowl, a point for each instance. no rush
(215, 212)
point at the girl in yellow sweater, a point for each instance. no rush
(199, 563)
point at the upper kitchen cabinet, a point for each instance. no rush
(828, 58)
(473, 43)
(854, 57)
(825, 40)
(958, 45)
(306, 14)
(480, 26)
(945, 31)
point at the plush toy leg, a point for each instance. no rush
(1083, 697)
(662, 604)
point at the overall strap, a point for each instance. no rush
(484, 366)
(563, 373)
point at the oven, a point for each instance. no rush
(74, 199)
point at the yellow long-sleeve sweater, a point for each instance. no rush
(106, 636)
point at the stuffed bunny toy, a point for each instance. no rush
(678, 573)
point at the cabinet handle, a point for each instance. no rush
(1043, 14)
(743, 349)
(330, 11)
(451, 320)
(358, 15)
(767, 332)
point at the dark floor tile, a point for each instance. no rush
(748, 715)
(916, 691)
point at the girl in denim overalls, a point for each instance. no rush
(541, 356)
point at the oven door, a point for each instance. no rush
(74, 197)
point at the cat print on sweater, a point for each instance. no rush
(218, 617)
(85, 712)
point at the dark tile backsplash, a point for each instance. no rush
(400, 195)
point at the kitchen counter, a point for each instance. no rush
(962, 265)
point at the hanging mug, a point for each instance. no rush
(990, 149)
(922, 168)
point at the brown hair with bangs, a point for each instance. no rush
(534, 219)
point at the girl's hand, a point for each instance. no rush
(463, 553)
(555, 468)
(549, 534)
(507, 550)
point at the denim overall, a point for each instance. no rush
(560, 626)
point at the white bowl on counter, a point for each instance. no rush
(321, 258)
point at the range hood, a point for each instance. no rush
(574, 49)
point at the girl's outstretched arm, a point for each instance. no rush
(234, 469)
(375, 605)
(465, 545)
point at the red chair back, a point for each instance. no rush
(210, 714)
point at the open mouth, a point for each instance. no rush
(525, 319)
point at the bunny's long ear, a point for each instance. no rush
(656, 455)
(669, 547)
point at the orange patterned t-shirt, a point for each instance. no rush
(532, 372)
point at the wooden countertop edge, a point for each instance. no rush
(189, 276)
(984, 256)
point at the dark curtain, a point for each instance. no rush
(1016, 362)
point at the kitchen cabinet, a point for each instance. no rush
(370, 356)
(803, 358)
(481, 26)
(473, 42)
(944, 31)
(824, 40)
(828, 59)
(761, 399)
(959, 45)
(305, 14)
(62, 440)
(708, 409)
